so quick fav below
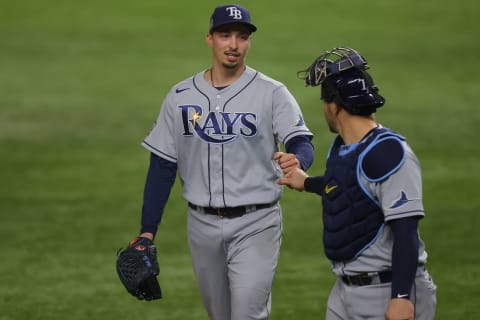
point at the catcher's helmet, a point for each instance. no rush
(342, 74)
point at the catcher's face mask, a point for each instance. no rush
(342, 74)
(331, 63)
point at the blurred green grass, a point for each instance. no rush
(81, 84)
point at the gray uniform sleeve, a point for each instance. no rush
(287, 117)
(161, 140)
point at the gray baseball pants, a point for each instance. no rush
(235, 260)
(371, 301)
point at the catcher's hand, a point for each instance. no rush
(137, 268)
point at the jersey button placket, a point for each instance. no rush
(216, 161)
(217, 107)
(217, 176)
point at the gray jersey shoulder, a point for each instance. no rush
(400, 194)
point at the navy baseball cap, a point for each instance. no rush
(230, 13)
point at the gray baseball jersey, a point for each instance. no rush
(223, 141)
(407, 179)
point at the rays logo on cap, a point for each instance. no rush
(230, 13)
(235, 13)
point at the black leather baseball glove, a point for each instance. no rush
(138, 268)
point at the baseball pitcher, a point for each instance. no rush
(220, 130)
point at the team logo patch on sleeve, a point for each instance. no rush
(300, 121)
(401, 201)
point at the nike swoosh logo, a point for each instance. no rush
(329, 189)
(402, 295)
(181, 90)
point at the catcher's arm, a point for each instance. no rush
(295, 179)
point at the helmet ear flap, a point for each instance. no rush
(371, 85)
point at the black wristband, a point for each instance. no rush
(314, 184)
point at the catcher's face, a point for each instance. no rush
(230, 45)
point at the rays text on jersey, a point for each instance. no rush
(217, 127)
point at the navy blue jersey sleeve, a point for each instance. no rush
(160, 179)
(302, 147)
(404, 256)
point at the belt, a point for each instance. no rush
(368, 279)
(231, 212)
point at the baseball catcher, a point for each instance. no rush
(372, 201)
(137, 268)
